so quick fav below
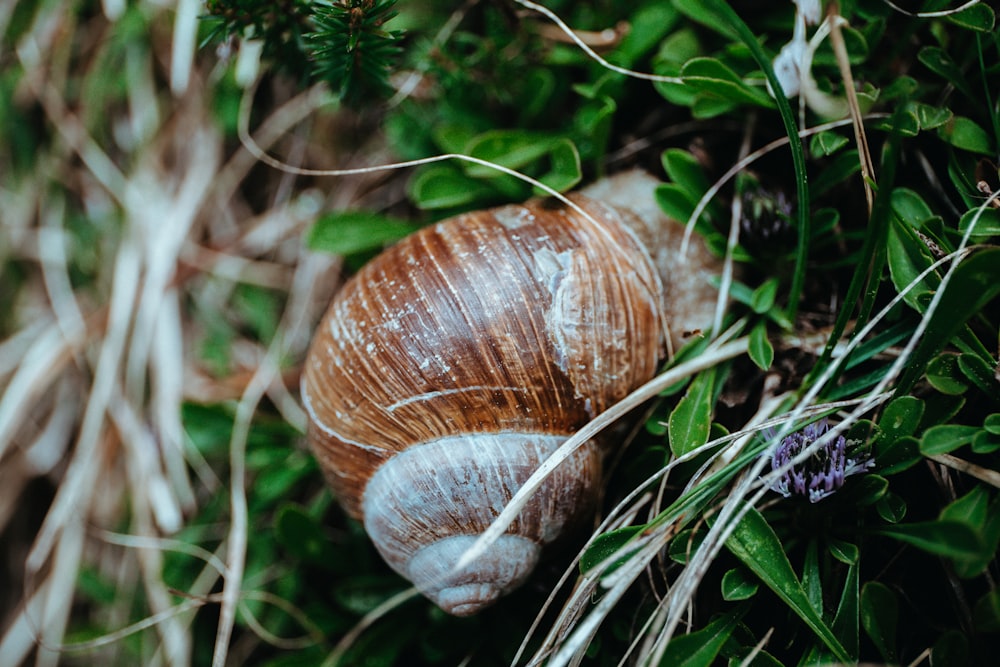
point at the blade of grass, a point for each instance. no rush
(872, 257)
(727, 15)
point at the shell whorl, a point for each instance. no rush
(454, 363)
(427, 505)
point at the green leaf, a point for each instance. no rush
(951, 648)
(974, 283)
(879, 618)
(764, 296)
(605, 546)
(675, 201)
(911, 208)
(905, 122)
(986, 612)
(970, 509)
(978, 510)
(351, 232)
(965, 133)
(976, 370)
(700, 648)
(592, 126)
(827, 143)
(978, 17)
(758, 547)
(760, 349)
(992, 423)
(908, 256)
(944, 375)
(946, 438)
(259, 308)
(900, 418)
(552, 160)
(443, 186)
(649, 26)
(931, 117)
(691, 420)
(938, 61)
(712, 75)
(845, 621)
(891, 508)
(684, 169)
(845, 552)
(985, 443)
(738, 585)
(986, 221)
(952, 539)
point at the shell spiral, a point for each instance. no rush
(450, 366)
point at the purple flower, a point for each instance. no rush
(822, 473)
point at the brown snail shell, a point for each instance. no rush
(456, 361)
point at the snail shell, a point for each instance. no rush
(455, 362)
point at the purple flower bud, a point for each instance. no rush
(822, 473)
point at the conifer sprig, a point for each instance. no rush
(341, 42)
(350, 48)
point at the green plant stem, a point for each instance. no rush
(727, 15)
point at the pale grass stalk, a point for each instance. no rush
(59, 596)
(314, 634)
(55, 271)
(79, 483)
(166, 395)
(864, 151)
(143, 624)
(16, 347)
(991, 477)
(572, 35)
(151, 504)
(113, 9)
(281, 222)
(21, 634)
(732, 239)
(49, 446)
(237, 269)
(758, 647)
(921, 657)
(164, 544)
(143, 117)
(931, 15)
(39, 366)
(185, 37)
(200, 589)
(161, 215)
(236, 538)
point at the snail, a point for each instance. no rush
(450, 366)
